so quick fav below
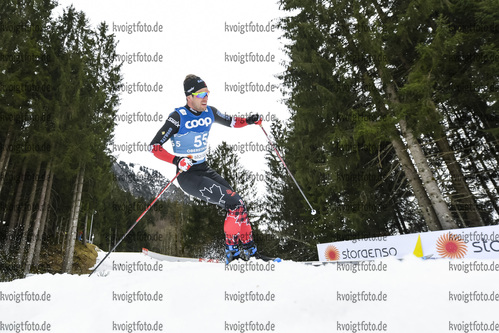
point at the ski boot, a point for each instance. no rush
(249, 250)
(232, 252)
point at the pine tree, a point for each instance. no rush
(59, 87)
(371, 75)
(330, 98)
(285, 219)
(93, 110)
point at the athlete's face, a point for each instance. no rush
(198, 104)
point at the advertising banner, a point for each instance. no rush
(465, 243)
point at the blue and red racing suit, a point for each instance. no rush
(188, 131)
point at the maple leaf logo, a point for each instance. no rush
(214, 194)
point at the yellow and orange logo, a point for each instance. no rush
(451, 246)
(332, 253)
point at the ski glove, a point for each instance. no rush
(254, 119)
(183, 163)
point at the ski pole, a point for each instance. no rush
(313, 212)
(140, 217)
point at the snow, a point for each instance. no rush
(409, 295)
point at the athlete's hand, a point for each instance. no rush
(254, 119)
(184, 164)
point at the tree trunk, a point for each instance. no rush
(3, 171)
(479, 178)
(492, 177)
(67, 228)
(5, 157)
(110, 238)
(400, 222)
(85, 228)
(480, 174)
(58, 230)
(39, 241)
(429, 182)
(36, 225)
(476, 162)
(64, 233)
(464, 198)
(27, 218)
(424, 202)
(68, 256)
(410, 171)
(423, 169)
(15, 211)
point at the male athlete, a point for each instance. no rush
(188, 128)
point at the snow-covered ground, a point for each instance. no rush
(132, 292)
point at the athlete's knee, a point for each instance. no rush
(233, 201)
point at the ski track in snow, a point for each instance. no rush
(195, 297)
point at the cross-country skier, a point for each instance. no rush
(188, 128)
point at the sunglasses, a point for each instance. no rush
(201, 94)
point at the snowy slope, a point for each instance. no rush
(382, 296)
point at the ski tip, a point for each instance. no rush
(277, 260)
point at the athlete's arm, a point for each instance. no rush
(169, 128)
(235, 122)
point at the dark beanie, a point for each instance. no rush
(193, 84)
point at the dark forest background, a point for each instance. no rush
(393, 129)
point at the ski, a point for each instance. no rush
(163, 257)
(265, 258)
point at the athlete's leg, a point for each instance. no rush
(204, 183)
